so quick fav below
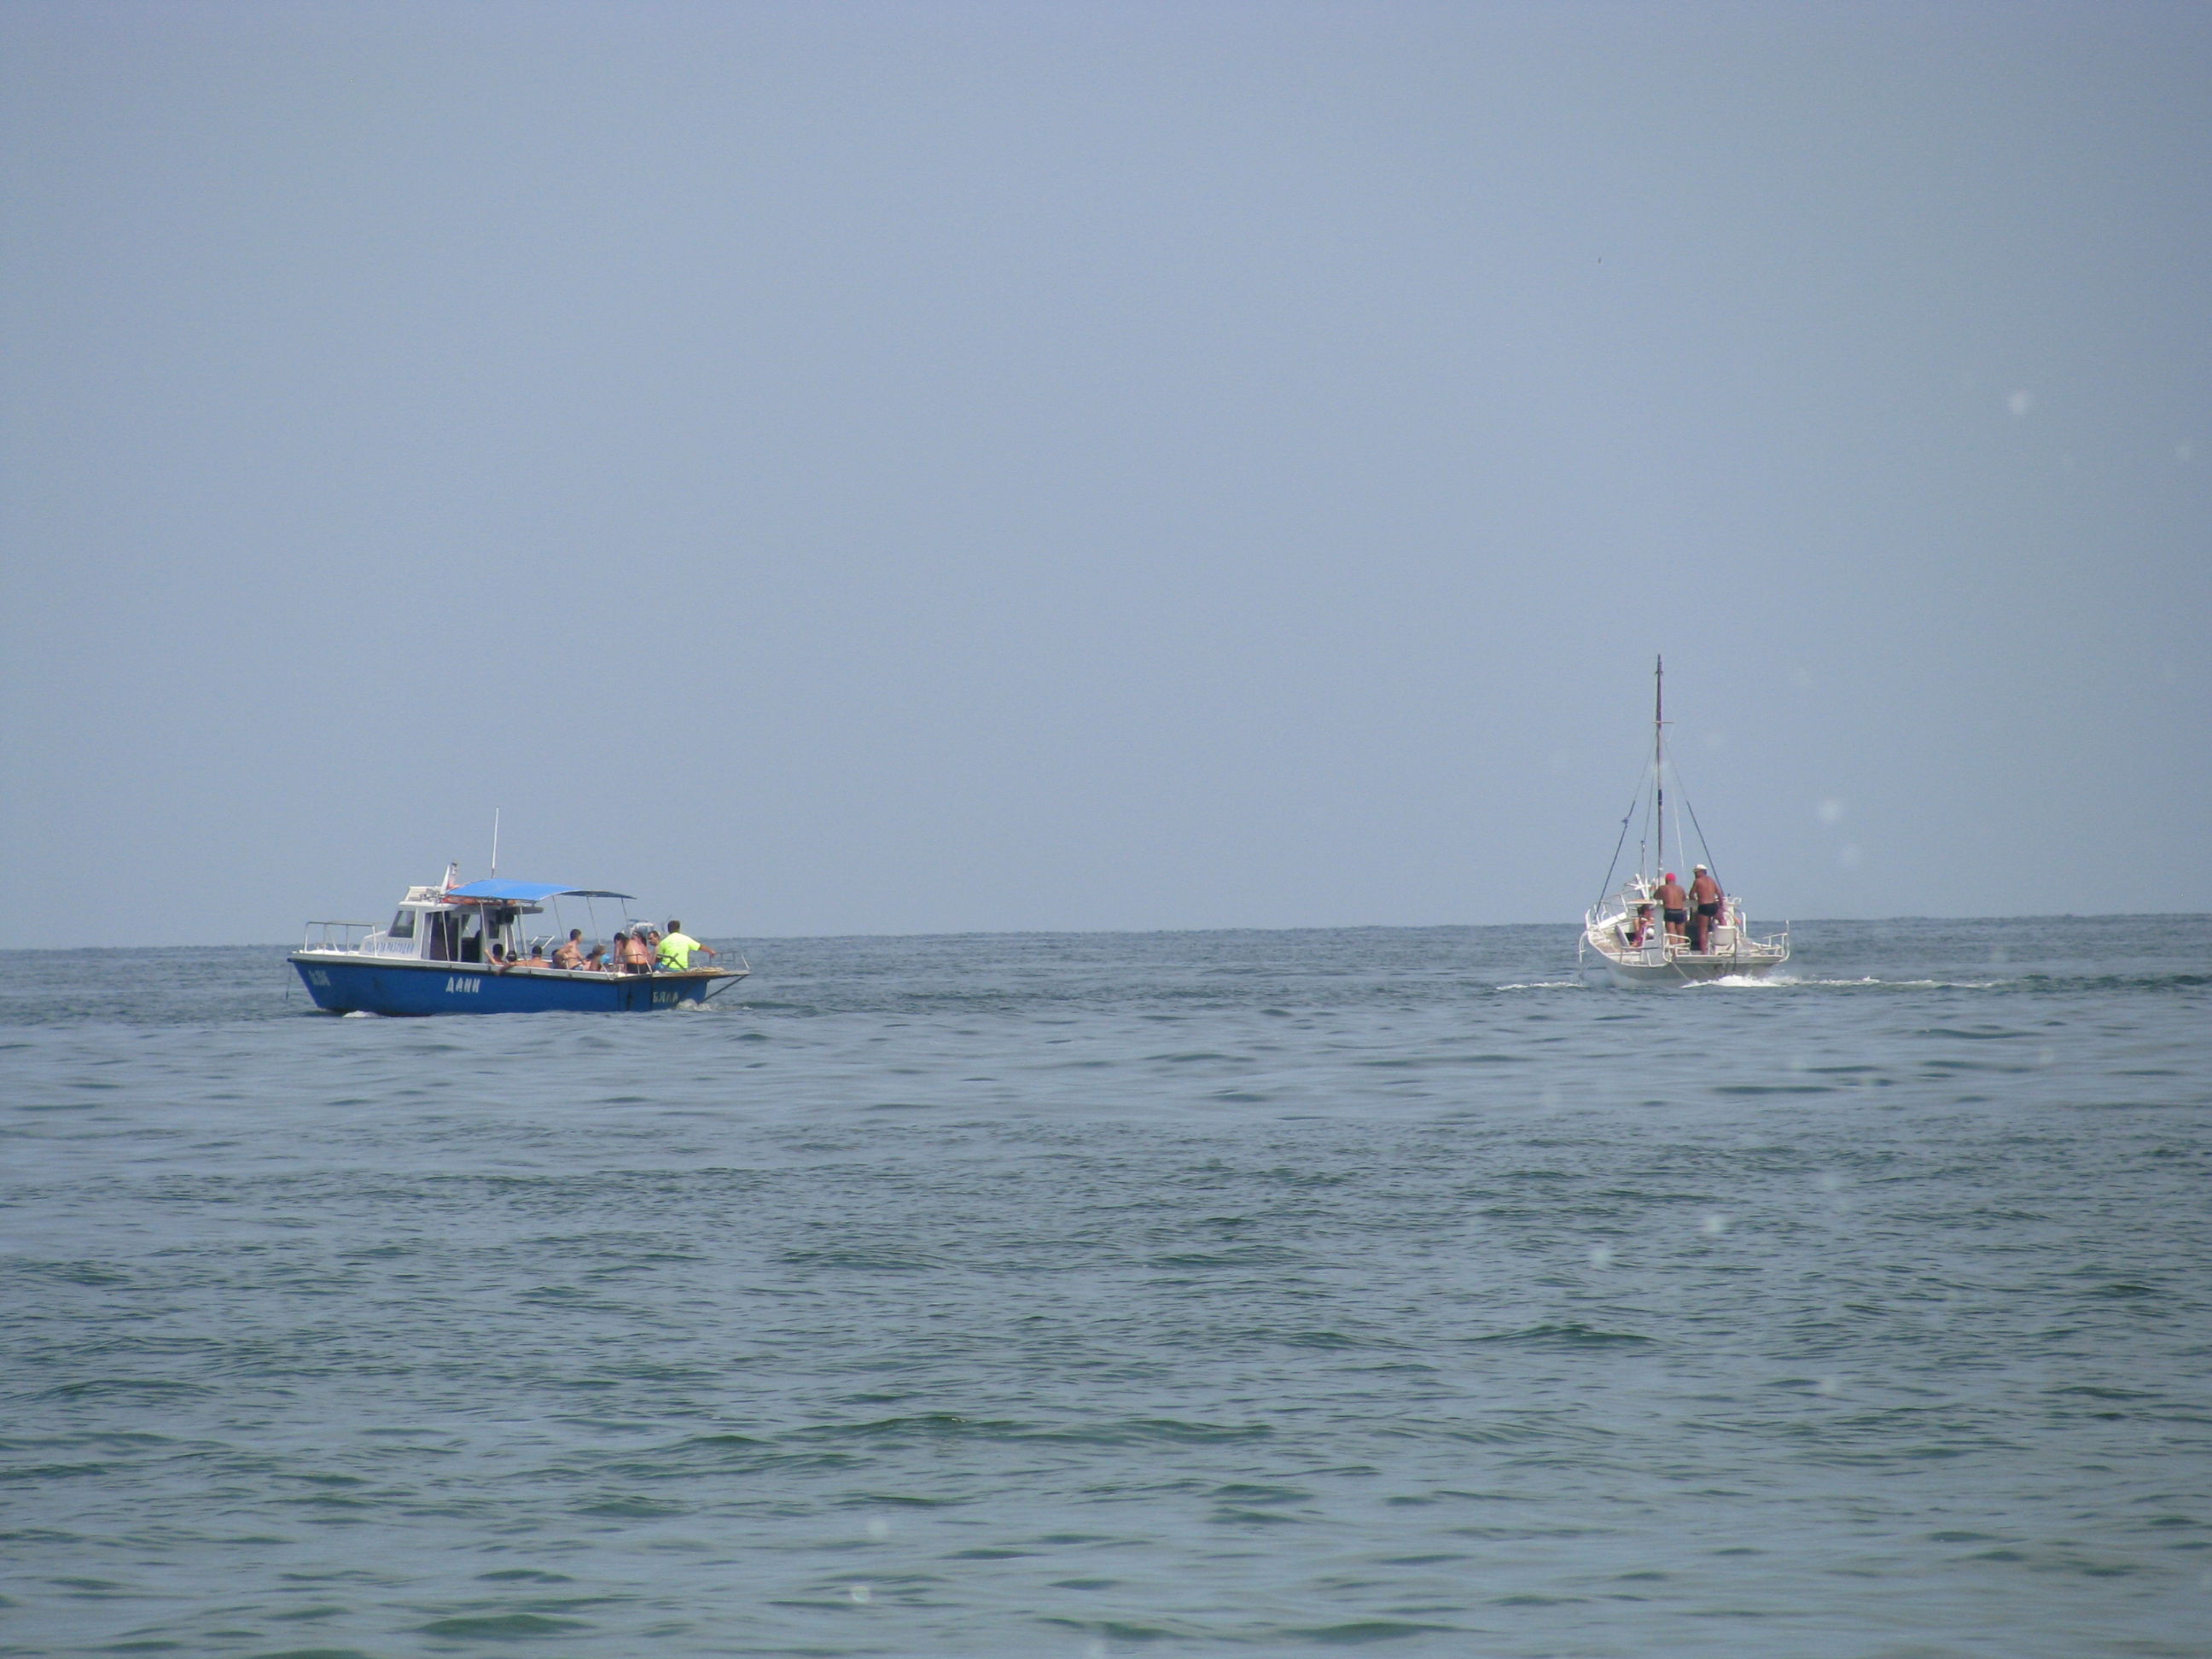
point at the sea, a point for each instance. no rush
(1164, 1294)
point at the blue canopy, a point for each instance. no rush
(528, 892)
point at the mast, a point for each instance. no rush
(1659, 753)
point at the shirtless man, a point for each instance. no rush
(571, 954)
(1705, 896)
(1674, 905)
(636, 955)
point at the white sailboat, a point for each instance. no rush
(1627, 937)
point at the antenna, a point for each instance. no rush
(494, 841)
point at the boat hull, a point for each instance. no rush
(1640, 971)
(345, 984)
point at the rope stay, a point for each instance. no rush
(1644, 837)
(1621, 842)
(1714, 868)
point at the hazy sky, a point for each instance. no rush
(840, 468)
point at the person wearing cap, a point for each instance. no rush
(676, 946)
(1674, 905)
(1705, 895)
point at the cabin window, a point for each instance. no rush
(444, 937)
(403, 925)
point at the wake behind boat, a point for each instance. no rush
(1655, 931)
(468, 949)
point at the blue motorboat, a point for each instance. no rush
(469, 950)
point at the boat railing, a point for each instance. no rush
(336, 935)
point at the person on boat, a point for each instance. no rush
(632, 955)
(676, 946)
(496, 958)
(1705, 898)
(1638, 927)
(595, 959)
(570, 953)
(1675, 904)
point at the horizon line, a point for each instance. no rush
(1341, 927)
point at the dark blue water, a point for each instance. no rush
(1269, 1293)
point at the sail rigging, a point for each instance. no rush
(1629, 936)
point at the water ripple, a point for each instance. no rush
(1271, 1293)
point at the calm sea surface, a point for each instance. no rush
(1263, 1293)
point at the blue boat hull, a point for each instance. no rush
(347, 987)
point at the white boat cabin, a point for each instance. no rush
(456, 923)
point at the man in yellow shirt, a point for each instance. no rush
(676, 946)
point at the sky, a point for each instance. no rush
(846, 467)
